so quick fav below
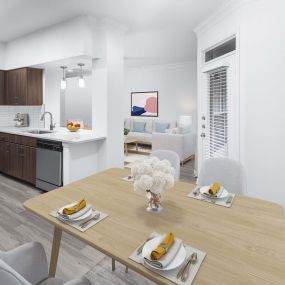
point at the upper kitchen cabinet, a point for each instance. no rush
(24, 86)
(2, 87)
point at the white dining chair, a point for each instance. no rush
(229, 173)
(27, 265)
(172, 157)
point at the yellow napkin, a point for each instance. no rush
(157, 253)
(214, 188)
(71, 210)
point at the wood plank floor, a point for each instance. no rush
(18, 226)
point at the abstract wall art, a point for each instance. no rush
(144, 104)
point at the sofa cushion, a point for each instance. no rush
(138, 127)
(160, 127)
(148, 124)
(172, 131)
(184, 129)
(172, 123)
(141, 137)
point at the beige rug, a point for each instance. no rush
(132, 158)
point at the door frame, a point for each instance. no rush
(231, 61)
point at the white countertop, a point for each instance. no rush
(61, 134)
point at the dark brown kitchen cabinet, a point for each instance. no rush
(2, 157)
(24, 86)
(6, 158)
(15, 167)
(18, 157)
(29, 164)
(2, 87)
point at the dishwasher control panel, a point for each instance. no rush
(51, 145)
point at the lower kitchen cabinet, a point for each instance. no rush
(29, 164)
(14, 168)
(18, 159)
(2, 157)
(5, 157)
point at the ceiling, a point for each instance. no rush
(167, 25)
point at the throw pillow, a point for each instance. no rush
(138, 127)
(161, 127)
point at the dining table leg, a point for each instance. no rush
(55, 251)
(113, 264)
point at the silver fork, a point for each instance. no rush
(86, 223)
(197, 191)
(230, 199)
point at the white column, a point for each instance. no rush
(66, 161)
(108, 116)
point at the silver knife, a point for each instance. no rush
(179, 274)
(193, 260)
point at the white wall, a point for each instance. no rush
(109, 94)
(52, 94)
(260, 26)
(162, 46)
(176, 84)
(78, 102)
(68, 39)
(2, 55)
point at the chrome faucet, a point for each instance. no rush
(51, 126)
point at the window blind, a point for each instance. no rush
(216, 144)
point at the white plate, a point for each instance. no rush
(177, 260)
(223, 193)
(84, 216)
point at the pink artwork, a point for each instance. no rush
(144, 104)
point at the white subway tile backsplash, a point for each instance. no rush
(7, 115)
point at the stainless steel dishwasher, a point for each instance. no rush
(49, 164)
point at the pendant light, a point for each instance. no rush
(63, 80)
(81, 81)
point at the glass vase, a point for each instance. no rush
(154, 202)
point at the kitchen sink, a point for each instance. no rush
(39, 132)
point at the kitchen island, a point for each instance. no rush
(81, 150)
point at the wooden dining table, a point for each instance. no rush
(245, 244)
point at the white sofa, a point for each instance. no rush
(182, 142)
(146, 136)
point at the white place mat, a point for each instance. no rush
(76, 224)
(171, 274)
(219, 202)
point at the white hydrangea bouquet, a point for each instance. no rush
(153, 176)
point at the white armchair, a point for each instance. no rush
(182, 144)
(27, 265)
